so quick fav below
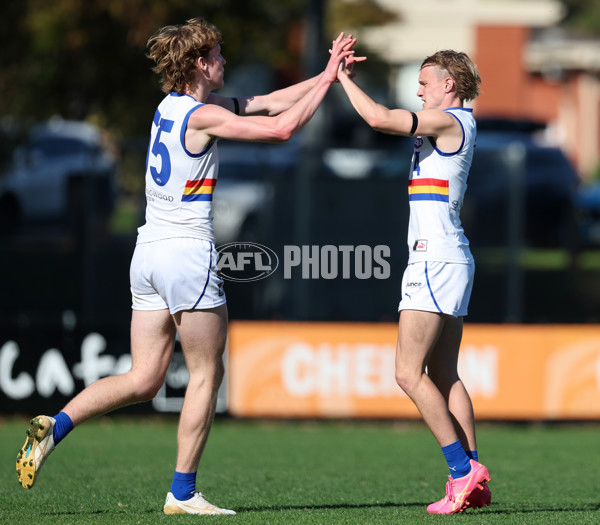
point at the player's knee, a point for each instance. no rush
(405, 379)
(146, 388)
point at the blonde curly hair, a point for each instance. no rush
(462, 70)
(176, 48)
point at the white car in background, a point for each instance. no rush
(63, 166)
(244, 190)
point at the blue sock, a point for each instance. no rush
(62, 427)
(458, 461)
(184, 485)
(473, 455)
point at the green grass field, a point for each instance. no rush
(118, 471)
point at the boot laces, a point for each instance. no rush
(450, 489)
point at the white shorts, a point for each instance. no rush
(437, 287)
(178, 274)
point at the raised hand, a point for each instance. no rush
(340, 51)
(347, 65)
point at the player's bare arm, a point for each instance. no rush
(278, 101)
(441, 125)
(379, 117)
(212, 120)
(270, 105)
(431, 123)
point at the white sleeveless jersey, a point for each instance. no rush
(179, 184)
(436, 188)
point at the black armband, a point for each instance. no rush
(415, 123)
(236, 106)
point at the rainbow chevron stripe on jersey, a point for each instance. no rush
(199, 190)
(436, 189)
(428, 190)
(179, 184)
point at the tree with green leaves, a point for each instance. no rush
(583, 16)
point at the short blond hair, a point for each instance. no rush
(175, 50)
(462, 70)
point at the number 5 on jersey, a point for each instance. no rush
(159, 149)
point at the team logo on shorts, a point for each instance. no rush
(246, 261)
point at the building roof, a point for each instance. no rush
(553, 51)
(426, 26)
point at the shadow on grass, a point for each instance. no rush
(261, 508)
(332, 506)
(590, 507)
(486, 510)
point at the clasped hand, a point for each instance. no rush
(342, 57)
